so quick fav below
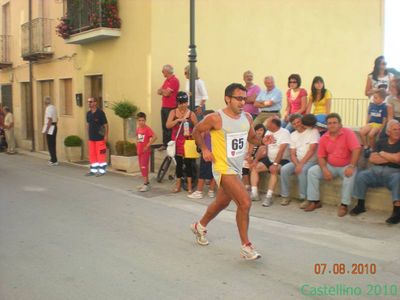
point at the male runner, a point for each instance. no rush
(230, 129)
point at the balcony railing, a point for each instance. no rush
(89, 20)
(5, 59)
(41, 47)
(353, 111)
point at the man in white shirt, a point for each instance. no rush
(50, 129)
(303, 155)
(9, 130)
(201, 95)
(274, 156)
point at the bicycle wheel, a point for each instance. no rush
(164, 168)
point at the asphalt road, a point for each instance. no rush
(67, 236)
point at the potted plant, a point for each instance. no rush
(73, 148)
(125, 158)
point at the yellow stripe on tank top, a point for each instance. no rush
(218, 144)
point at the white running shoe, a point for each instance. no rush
(254, 197)
(196, 195)
(248, 252)
(267, 201)
(144, 188)
(211, 194)
(200, 233)
(53, 164)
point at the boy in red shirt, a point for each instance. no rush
(144, 138)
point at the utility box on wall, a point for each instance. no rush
(78, 98)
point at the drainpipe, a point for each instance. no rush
(31, 77)
(192, 56)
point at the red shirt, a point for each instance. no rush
(295, 103)
(143, 136)
(337, 150)
(173, 84)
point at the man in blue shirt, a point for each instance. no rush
(269, 101)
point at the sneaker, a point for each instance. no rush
(145, 188)
(90, 174)
(248, 252)
(285, 201)
(200, 233)
(211, 194)
(254, 197)
(196, 195)
(52, 164)
(267, 201)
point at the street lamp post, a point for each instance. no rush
(192, 55)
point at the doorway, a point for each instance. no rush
(26, 112)
(45, 89)
(94, 88)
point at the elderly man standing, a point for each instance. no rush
(252, 92)
(9, 130)
(385, 171)
(338, 153)
(168, 91)
(268, 101)
(50, 129)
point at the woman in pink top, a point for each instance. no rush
(296, 100)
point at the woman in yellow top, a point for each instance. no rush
(319, 97)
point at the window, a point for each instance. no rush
(66, 96)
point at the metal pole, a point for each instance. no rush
(192, 56)
(31, 77)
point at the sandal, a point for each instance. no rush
(175, 190)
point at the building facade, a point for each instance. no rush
(337, 40)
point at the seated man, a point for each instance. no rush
(276, 154)
(338, 153)
(303, 155)
(384, 172)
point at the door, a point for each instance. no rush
(96, 89)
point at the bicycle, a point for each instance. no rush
(162, 171)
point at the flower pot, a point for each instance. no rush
(73, 154)
(129, 164)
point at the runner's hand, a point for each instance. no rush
(207, 155)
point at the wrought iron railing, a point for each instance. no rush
(42, 30)
(84, 15)
(353, 111)
(5, 49)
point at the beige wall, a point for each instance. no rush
(335, 39)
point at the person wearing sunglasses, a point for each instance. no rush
(230, 129)
(97, 127)
(296, 100)
(378, 78)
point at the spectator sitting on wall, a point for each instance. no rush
(296, 100)
(385, 172)
(376, 120)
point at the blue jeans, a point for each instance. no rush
(288, 170)
(378, 176)
(287, 126)
(315, 175)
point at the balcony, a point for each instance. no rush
(5, 60)
(41, 30)
(89, 21)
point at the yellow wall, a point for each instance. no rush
(335, 39)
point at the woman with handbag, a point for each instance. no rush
(181, 120)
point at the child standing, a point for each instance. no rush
(144, 138)
(205, 171)
(376, 120)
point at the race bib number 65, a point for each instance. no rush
(236, 144)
